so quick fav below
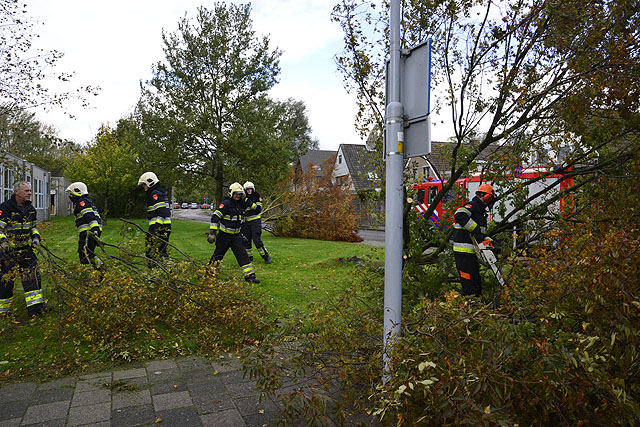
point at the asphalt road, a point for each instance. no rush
(371, 237)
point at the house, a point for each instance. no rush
(436, 165)
(60, 203)
(362, 167)
(14, 169)
(313, 159)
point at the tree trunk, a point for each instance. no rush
(218, 177)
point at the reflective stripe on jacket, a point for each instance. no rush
(18, 223)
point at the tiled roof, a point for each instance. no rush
(440, 156)
(361, 162)
(315, 157)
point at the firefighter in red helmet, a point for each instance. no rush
(471, 219)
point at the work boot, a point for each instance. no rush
(267, 258)
(252, 278)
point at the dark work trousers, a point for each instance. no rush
(252, 230)
(224, 241)
(23, 263)
(157, 241)
(87, 246)
(469, 271)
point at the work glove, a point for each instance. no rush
(211, 237)
(35, 241)
(245, 241)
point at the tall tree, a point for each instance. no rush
(536, 78)
(110, 169)
(24, 69)
(215, 68)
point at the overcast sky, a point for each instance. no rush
(113, 44)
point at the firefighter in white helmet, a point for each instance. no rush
(252, 225)
(225, 228)
(159, 217)
(88, 223)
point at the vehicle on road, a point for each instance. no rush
(175, 206)
(194, 205)
(205, 206)
(185, 205)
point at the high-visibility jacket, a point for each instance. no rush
(228, 216)
(86, 213)
(158, 209)
(18, 223)
(253, 214)
(470, 218)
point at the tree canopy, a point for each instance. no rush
(207, 103)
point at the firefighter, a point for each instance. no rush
(471, 219)
(224, 230)
(252, 225)
(18, 237)
(159, 217)
(88, 223)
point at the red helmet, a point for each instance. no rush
(488, 194)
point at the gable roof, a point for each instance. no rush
(440, 156)
(360, 163)
(315, 157)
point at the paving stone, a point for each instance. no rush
(221, 368)
(180, 399)
(252, 405)
(89, 414)
(133, 416)
(126, 399)
(192, 364)
(14, 422)
(209, 387)
(47, 412)
(100, 424)
(164, 375)
(54, 395)
(233, 377)
(130, 373)
(91, 397)
(181, 417)
(168, 387)
(15, 409)
(161, 365)
(105, 376)
(229, 418)
(207, 403)
(243, 389)
(51, 423)
(61, 383)
(20, 391)
(267, 419)
(92, 384)
(138, 383)
(200, 375)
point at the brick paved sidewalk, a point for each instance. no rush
(174, 392)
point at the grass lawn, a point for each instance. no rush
(302, 271)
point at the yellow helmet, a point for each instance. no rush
(77, 189)
(235, 188)
(248, 185)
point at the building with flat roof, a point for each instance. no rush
(14, 169)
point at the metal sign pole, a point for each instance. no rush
(394, 149)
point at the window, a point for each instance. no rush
(339, 159)
(7, 183)
(415, 173)
(372, 175)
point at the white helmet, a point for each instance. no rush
(148, 178)
(250, 185)
(77, 189)
(235, 188)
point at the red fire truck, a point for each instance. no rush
(428, 190)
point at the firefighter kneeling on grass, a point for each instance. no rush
(471, 219)
(224, 230)
(88, 223)
(18, 237)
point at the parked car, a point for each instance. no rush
(205, 206)
(185, 205)
(176, 206)
(194, 205)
